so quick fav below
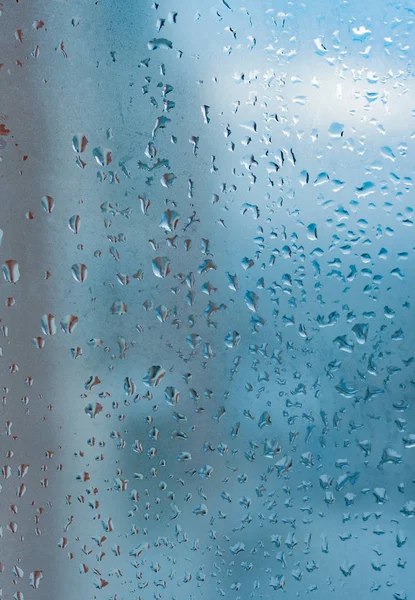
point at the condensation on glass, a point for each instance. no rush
(207, 330)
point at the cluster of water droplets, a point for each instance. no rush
(232, 314)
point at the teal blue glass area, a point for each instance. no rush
(207, 300)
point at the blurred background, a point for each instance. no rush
(207, 299)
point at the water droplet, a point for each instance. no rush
(79, 272)
(11, 271)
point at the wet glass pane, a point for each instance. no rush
(207, 330)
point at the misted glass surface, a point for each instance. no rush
(207, 313)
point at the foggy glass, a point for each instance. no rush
(207, 332)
